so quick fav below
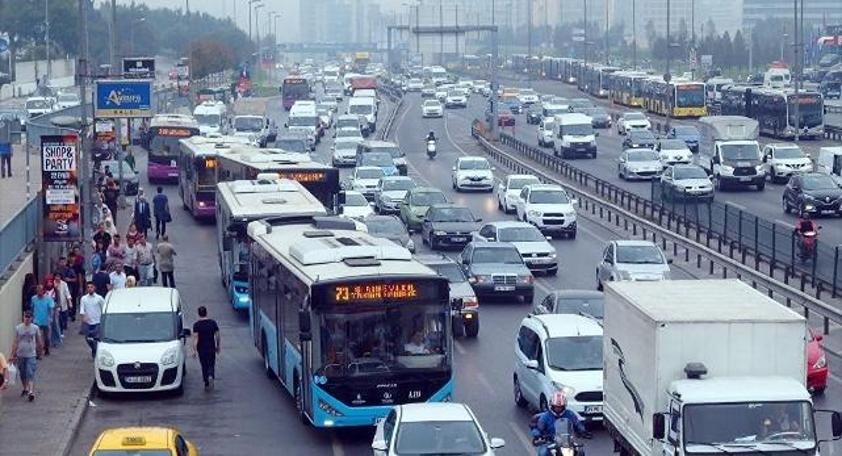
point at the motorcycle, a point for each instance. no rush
(807, 242)
(564, 444)
(431, 149)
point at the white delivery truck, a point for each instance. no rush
(729, 151)
(705, 367)
(574, 136)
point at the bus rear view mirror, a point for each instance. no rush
(304, 325)
(226, 243)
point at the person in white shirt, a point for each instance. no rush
(416, 345)
(64, 300)
(90, 308)
(117, 277)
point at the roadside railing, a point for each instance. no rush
(676, 235)
(18, 234)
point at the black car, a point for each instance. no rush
(534, 114)
(588, 303)
(636, 139)
(599, 118)
(448, 225)
(814, 194)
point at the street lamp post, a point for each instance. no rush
(131, 32)
(47, 40)
(257, 24)
(667, 75)
(252, 2)
(634, 33)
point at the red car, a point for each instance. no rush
(505, 118)
(816, 363)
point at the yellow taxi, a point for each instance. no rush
(142, 441)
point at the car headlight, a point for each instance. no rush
(526, 279)
(479, 278)
(534, 213)
(568, 391)
(104, 358)
(243, 299)
(725, 169)
(169, 356)
(625, 275)
(440, 233)
(820, 363)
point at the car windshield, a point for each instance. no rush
(397, 184)
(574, 353)
(355, 199)
(360, 109)
(549, 197)
(634, 116)
(394, 151)
(133, 452)
(427, 198)
(496, 255)
(783, 424)
(385, 226)
(639, 254)
(143, 327)
(673, 144)
(451, 271)
(302, 121)
(474, 164)
(68, 98)
(432, 104)
(348, 133)
(520, 234)
(248, 123)
(207, 119)
(739, 151)
(417, 438)
(594, 307)
(789, 152)
(642, 155)
(689, 172)
(819, 182)
(292, 145)
(578, 130)
(37, 104)
(377, 159)
(450, 214)
(518, 182)
(369, 173)
(347, 123)
(382, 338)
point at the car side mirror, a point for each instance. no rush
(497, 443)
(715, 159)
(286, 124)
(658, 426)
(479, 219)
(531, 364)
(549, 238)
(669, 260)
(596, 134)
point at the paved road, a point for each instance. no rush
(250, 414)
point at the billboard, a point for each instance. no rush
(139, 67)
(60, 189)
(123, 98)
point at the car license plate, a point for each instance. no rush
(828, 211)
(139, 379)
(504, 288)
(593, 409)
(745, 179)
(458, 239)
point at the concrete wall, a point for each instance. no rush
(63, 72)
(10, 302)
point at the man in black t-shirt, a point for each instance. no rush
(206, 345)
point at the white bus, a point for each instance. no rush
(212, 117)
(241, 202)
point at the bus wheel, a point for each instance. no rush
(266, 367)
(299, 401)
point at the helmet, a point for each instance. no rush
(558, 402)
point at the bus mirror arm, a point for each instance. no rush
(304, 325)
(226, 243)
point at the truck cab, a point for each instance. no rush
(730, 153)
(830, 161)
(574, 136)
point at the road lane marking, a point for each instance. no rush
(484, 381)
(522, 437)
(450, 138)
(336, 445)
(460, 348)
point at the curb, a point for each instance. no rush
(72, 430)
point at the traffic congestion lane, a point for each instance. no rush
(765, 204)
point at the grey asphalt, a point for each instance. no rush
(250, 414)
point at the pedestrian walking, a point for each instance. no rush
(130, 258)
(133, 234)
(145, 262)
(161, 209)
(5, 160)
(166, 262)
(76, 289)
(90, 309)
(206, 345)
(53, 329)
(102, 236)
(64, 300)
(110, 195)
(102, 280)
(43, 307)
(142, 214)
(26, 350)
(117, 278)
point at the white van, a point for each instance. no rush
(364, 107)
(574, 136)
(142, 342)
(38, 106)
(777, 78)
(830, 161)
(304, 119)
(211, 116)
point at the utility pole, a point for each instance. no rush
(667, 75)
(86, 211)
(693, 37)
(634, 34)
(457, 27)
(441, 34)
(585, 28)
(112, 49)
(118, 127)
(605, 35)
(257, 26)
(796, 57)
(528, 33)
(47, 41)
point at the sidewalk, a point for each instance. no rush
(13, 190)
(62, 383)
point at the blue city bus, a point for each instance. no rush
(350, 324)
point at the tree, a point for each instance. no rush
(208, 55)
(651, 34)
(739, 49)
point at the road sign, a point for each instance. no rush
(139, 67)
(579, 35)
(123, 98)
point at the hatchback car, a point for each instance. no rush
(390, 192)
(599, 117)
(559, 352)
(432, 428)
(364, 180)
(472, 173)
(632, 121)
(814, 194)
(588, 303)
(686, 182)
(356, 206)
(415, 204)
(638, 164)
(465, 305)
(448, 225)
(345, 150)
(389, 227)
(534, 114)
(638, 139)
(537, 253)
(431, 108)
(497, 269)
(632, 260)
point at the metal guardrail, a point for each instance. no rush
(675, 234)
(18, 234)
(387, 129)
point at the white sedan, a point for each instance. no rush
(674, 152)
(431, 108)
(356, 206)
(432, 428)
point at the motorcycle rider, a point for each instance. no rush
(431, 136)
(805, 227)
(431, 144)
(544, 431)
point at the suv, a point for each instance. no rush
(559, 352)
(497, 269)
(142, 342)
(508, 190)
(782, 160)
(464, 302)
(632, 121)
(474, 173)
(546, 127)
(549, 208)
(537, 253)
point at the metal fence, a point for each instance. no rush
(731, 230)
(18, 234)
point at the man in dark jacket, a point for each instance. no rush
(142, 214)
(110, 196)
(161, 210)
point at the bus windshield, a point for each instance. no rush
(690, 95)
(297, 89)
(164, 146)
(809, 111)
(377, 340)
(205, 168)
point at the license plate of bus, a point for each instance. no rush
(593, 409)
(504, 288)
(139, 379)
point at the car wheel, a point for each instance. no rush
(520, 401)
(573, 234)
(599, 286)
(432, 242)
(266, 367)
(458, 327)
(819, 391)
(500, 205)
(528, 297)
(620, 173)
(472, 328)
(180, 390)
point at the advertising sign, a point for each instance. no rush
(123, 98)
(139, 67)
(59, 182)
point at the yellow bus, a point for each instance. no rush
(678, 98)
(625, 88)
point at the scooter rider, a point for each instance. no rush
(806, 231)
(431, 136)
(544, 431)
